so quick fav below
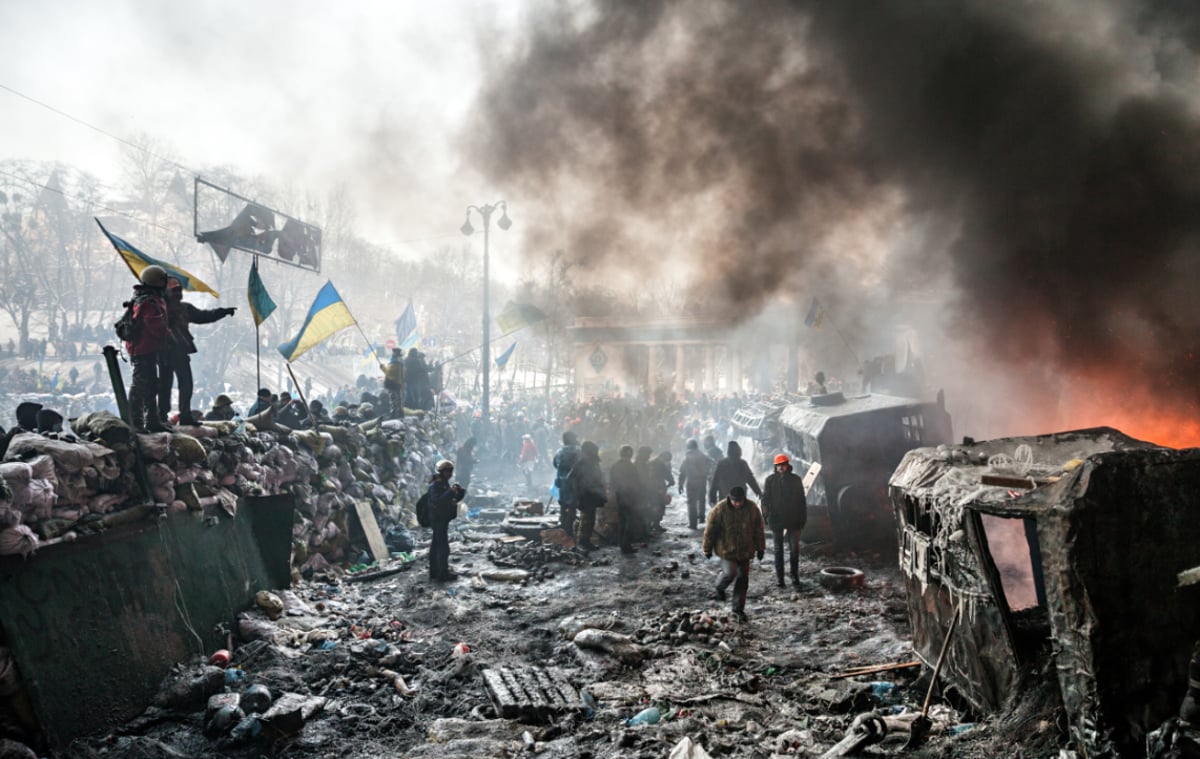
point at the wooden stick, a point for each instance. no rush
(857, 671)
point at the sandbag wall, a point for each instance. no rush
(61, 485)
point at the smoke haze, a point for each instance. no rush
(1028, 171)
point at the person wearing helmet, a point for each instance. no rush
(145, 343)
(176, 359)
(786, 511)
(222, 410)
(693, 476)
(443, 508)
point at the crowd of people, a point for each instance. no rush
(639, 483)
(593, 468)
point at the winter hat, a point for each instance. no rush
(27, 415)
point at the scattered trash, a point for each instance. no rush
(647, 716)
(688, 749)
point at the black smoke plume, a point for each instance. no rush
(749, 141)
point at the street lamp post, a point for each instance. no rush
(504, 223)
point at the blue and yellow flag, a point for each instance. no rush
(136, 260)
(328, 315)
(261, 305)
(816, 315)
(503, 358)
(517, 316)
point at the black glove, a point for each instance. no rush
(229, 311)
(760, 555)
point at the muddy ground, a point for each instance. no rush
(756, 688)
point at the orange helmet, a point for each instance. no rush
(782, 459)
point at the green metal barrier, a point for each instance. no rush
(96, 624)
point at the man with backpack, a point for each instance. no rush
(144, 329)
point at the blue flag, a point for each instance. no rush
(503, 358)
(406, 328)
(261, 305)
(327, 315)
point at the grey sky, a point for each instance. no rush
(307, 94)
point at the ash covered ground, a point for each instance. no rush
(373, 671)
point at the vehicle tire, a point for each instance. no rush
(842, 578)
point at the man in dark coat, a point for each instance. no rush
(564, 462)
(693, 476)
(292, 413)
(149, 339)
(176, 359)
(786, 510)
(628, 490)
(732, 471)
(587, 481)
(443, 508)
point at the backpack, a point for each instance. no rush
(424, 518)
(127, 327)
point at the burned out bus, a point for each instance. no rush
(846, 448)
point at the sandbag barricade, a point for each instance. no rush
(62, 483)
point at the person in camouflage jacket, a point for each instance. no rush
(735, 532)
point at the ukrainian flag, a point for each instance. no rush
(328, 315)
(261, 305)
(136, 260)
(502, 359)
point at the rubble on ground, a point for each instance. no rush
(612, 657)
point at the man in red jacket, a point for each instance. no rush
(145, 344)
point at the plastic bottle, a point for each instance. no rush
(248, 728)
(886, 692)
(960, 729)
(647, 716)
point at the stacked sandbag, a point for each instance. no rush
(52, 483)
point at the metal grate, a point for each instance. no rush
(530, 694)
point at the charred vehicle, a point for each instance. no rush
(756, 428)
(1065, 559)
(846, 448)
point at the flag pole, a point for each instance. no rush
(471, 350)
(300, 393)
(257, 341)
